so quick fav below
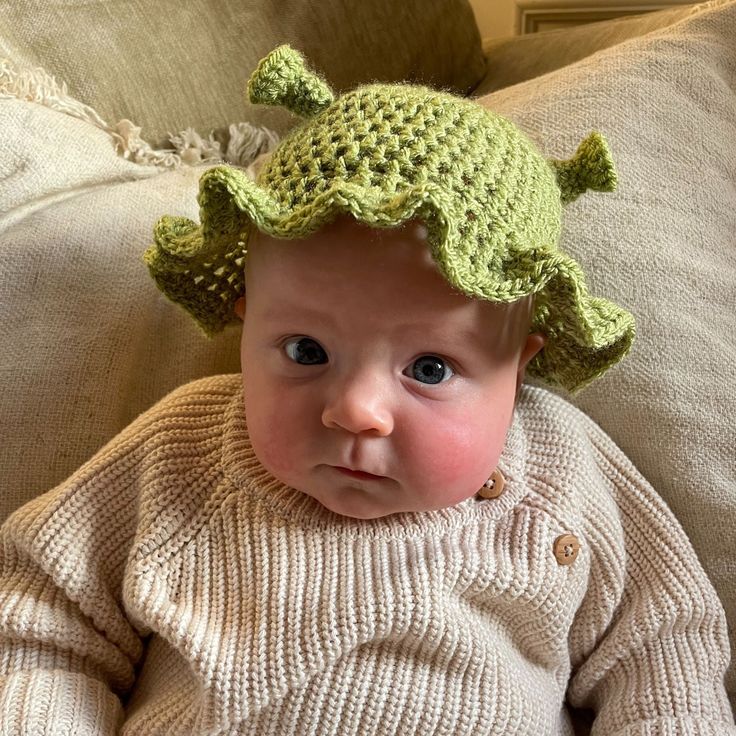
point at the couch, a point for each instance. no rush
(108, 119)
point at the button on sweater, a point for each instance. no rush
(172, 586)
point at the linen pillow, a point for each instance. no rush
(87, 341)
(169, 64)
(662, 246)
(518, 58)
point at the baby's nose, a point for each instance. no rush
(359, 405)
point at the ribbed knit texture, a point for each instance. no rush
(387, 153)
(270, 615)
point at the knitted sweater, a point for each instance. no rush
(172, 586)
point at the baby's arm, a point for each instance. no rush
(649, 645)
(66, 648)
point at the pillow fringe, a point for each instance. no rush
(245, 141)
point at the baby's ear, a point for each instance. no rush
(534, 343)
(239, 307)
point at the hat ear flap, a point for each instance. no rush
(190, 274)
(587, 334)
(590, 168)
(200, 267)
(282, 78)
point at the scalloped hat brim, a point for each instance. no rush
(200, 267)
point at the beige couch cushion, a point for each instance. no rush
(518, 58)
(170, 64)
(663, 247)
(88, 342)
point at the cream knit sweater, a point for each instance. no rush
(171, 586)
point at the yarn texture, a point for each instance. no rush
(387, 153)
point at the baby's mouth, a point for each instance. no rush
(357, 474)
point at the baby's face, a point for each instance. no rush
(370, 384)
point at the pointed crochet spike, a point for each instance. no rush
(590, 168)
(282, 78)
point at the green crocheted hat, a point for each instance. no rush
(387, 153)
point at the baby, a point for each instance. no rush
(376, 529)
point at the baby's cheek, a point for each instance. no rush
(461, 455)
(272, 432)
(275, 444)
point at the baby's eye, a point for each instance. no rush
(305, 351)
(430, 369)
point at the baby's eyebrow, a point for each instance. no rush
(427, 332)
(287, 311)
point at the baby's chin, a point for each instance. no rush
(357, 503)
(353, 504)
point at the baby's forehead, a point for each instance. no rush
(366, 255)
(345, 229)
(388, 271)
(349, 247)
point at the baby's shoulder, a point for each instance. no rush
(569, 458)
(544, 412)
(182, 413)
(554, 426)
(201, 397)
(171, 448)
(176, 437)
(177, 424)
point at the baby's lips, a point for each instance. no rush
(362, 474)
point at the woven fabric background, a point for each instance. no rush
(167, 64)
(88, 341)
(518, 58)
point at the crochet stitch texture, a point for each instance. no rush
(388, 153)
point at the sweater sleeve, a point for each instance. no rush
(649, 646)
(67, 651)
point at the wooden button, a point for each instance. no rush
(495, 485)
(566, 549)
